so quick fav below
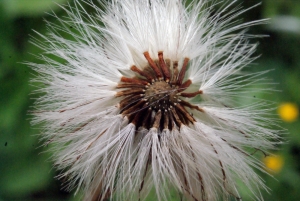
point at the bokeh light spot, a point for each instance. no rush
(288, 112)
(273, 163)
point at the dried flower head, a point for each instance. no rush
(141, 96)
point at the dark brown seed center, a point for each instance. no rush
(161, 95)
(154, 99)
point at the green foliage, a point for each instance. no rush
(27, 174)
(15, 8)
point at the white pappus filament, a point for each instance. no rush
(142, 97)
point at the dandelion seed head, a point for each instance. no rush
(142, 97)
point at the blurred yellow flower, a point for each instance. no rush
(288, 112)
(273, 163)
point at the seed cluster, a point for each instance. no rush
(153, 99)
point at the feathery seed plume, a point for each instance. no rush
(141, 96)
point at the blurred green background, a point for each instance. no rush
(26, 172)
